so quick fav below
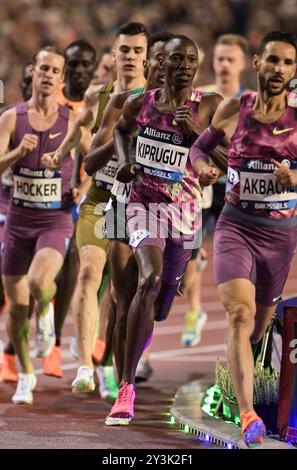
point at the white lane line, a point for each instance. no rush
(188, 351)
(172, 329)
(194, 359)
(164, 355)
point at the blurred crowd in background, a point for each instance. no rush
(28, 24)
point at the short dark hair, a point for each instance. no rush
(83, 45)
(233, 40)
(158, 37)
(278, 36)
(183, 38)
(51, 49)
(133, 28)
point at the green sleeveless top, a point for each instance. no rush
(102, 180)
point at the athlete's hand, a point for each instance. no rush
(284, 175)
(28, 144)
(51, 160)
(208, 175)
(76, 195)
(184, 116)
(126, 173)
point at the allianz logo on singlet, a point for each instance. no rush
(43, 173)
(260, 165)
(163, 136)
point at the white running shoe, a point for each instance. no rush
(193, 328)
(84, 380)
(108, 387)
(45, 333)
(73, 347)
(25, 387)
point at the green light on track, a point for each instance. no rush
(237, 420)
(172, 420)
(186, 429)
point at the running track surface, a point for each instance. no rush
(59, 419)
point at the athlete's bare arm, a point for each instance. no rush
(77, 137)
(122, 136)
(79, 130)
(102, 148)
(224, 122)
(91, 100)
(7, 129)
(226, 117)
(208, 106)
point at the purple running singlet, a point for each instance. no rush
(165, 202)
(256, 234)
(39, 215)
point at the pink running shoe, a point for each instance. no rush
(252, 428)
(123, 410)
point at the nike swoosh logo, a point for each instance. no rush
(53, 136)
(276, 298)
(281, 131)
(179, 277)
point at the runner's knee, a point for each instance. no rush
(240, 317)
(89, 274)
(149, 286)
(18, 312)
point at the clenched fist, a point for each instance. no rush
(208, 175)
(126, 173)
(28, 144)
(51, 160)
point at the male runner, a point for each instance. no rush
(165, 195)
(256, 234)
(39, 223)
(123, 265)
(80, 66)
(130, 56)
(229, 61)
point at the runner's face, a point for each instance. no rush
(47, 73)
(276, 67)
(80, 68)
(181, 63)
(130, 55)
(228, 62)
(156, 75)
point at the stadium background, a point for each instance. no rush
(28, 24)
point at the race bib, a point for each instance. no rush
(37, 189)
(162, 153)
(104, 178)
(232, 179)
(122, 191)
(137, 237)
(259, 188)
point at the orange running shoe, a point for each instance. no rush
(9, 370)
(252, 428)
(52, 363)
(98, 351)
